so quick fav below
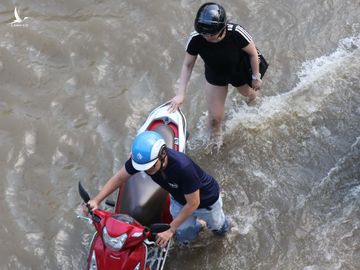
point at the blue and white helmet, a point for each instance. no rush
(145, 150)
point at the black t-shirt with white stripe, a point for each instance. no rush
(224, 56)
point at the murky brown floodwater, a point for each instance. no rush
(79, 77)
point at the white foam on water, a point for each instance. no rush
(312, 70)
(306, 96)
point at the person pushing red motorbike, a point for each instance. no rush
(194, 194)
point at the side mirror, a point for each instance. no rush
(110, 202)
(83, 193)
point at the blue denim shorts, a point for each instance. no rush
(214, 217)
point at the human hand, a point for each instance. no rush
(175, 103)
(163, 237)
(256, 84)
(92, 205)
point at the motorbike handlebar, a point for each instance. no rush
(86, 198)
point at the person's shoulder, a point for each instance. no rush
(173, 153)
(239, 31)
(180, 158)
(129, 167)
(194, 36)
(230, 26)
(193, 43)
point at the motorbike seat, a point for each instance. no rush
(167, 133)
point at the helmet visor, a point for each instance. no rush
(144, 166)
(209, 29)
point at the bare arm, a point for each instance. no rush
(186, 70)
(192, 203)
(111, 185)
(254, 62)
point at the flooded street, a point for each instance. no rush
(79, 78)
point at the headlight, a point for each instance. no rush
(116, 243)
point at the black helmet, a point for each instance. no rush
(210, 19)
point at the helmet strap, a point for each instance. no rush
(221, 32)
(162, 157)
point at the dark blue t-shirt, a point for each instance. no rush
(183, 176)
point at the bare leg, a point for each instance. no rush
(216, 96)
(248, 92)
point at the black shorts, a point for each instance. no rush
(235, 78)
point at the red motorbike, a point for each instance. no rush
(124, 239)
